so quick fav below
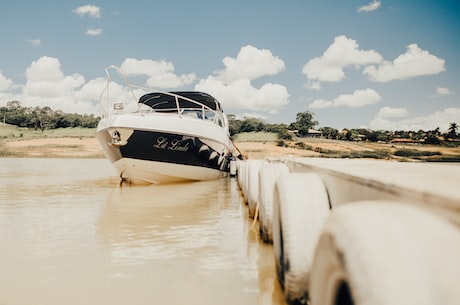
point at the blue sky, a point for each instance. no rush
(377, 64)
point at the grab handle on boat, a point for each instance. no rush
(118, 107)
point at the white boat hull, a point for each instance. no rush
(156, 148)
(148, 172)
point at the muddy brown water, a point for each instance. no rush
(70, 234)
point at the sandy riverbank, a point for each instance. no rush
(54, 148)
(89, 148)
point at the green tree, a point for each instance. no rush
(304, 122)
(44, 117)
(452, 131)
(432, 137)
(234, 126)
(353, 135)
(419, 135)
(13, 105)
(16, 114)
(252, 124)
(329, 132)
(379, 136)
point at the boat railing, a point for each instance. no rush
(201, 111)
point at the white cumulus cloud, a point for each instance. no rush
(392, 112)
(5, 83)
(241, 95)
(394, 119)
(46, 80)
(341, 53)
(89, 10)
(93, 32)
(444, 91)
(372, 6)
(415, 62)
(250, 63)
(35, 42)
(359, 98)
(160, 74)
(45, 69)
(47, 85)
(233, 88)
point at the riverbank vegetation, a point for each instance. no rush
(12, 132)
(305, 126)
(44, 118)
(329, 148)
(26, 123)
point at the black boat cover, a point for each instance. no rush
(164, 101)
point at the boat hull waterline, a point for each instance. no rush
(160, 157)
(172, 137)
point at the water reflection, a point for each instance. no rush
(196, 231)
(171, 221)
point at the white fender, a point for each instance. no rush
(253, 185)
(301, 205)
(267, 177)
(241, 165)
(382, 252)
(244, 179)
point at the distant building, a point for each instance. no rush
(312, 133)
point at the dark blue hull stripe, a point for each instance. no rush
(172, 148)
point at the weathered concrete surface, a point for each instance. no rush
(430, 184)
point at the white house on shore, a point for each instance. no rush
(312, 133)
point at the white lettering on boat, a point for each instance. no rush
(174, 144)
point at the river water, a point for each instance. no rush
(71, 234)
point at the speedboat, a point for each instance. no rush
(170, 137)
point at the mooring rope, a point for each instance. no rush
(256, 214)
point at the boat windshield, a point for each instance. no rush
(198, 105)
(184, 100)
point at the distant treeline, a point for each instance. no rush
(47, 118)
(305, 124)
(44, 117)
